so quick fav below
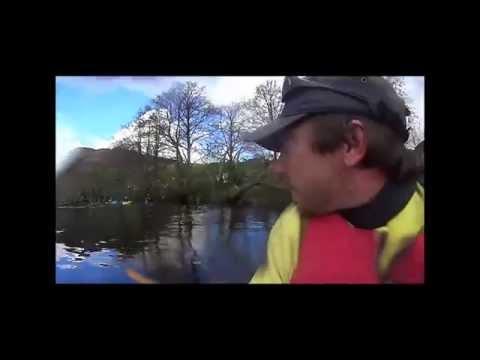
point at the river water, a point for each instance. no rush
(167, 242)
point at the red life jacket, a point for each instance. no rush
(335, 252)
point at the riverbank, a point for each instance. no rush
(86, 182)
(257, 196)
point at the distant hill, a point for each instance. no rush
(84, 159)
(104, 170)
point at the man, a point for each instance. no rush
(358, 211)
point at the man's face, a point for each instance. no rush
(314, 179)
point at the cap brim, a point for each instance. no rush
(270, 135)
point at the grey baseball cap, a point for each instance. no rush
(370, 96)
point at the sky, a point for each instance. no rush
(90, 110)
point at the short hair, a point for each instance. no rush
(385, 149)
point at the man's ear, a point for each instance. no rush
(355, 143)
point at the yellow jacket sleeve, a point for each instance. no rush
(402, 230)
(282, 250)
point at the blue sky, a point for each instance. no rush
(96, 114)
(91, 110)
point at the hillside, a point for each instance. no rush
(107, 172)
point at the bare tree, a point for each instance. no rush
(140, 132)
(144, 138)
(184, 112)
(157, 124)
(413, 120)
(265, 106)
(224, 144)
(228, 130)
(138, 127)
(197, 112)
(168, 110)
(126, 143)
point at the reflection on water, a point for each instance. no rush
(170, 243)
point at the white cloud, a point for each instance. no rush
(99, 143)
(67, 139)
(228, 89)
(149, 86)
(220, 89)
(121, 134)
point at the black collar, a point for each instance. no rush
(384, 207)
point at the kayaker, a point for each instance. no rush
(358, 211)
